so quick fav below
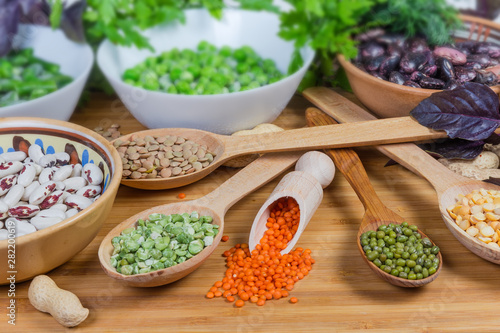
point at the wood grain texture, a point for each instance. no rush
(447, 183)
(376, 213)
(339, 295)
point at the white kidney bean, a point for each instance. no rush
(41, 222)
(14, 195)
(28, 190)
(41, 192)
(74, 184)
(24, 211)
(89, 191)
(24, 227)
(60, 206)
(35, 153)
(6, 183)
(62, 173)
(4, 208)
(52, 199)
(77, 201)
(92, 174)
(27, 174)
(10, 168)
(71, 212)
(62, 158)
(38, 190)
(14, 156)
(4, 234)
(47, 161)
(46, 175)
(77, 170)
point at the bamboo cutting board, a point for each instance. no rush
(341, 294)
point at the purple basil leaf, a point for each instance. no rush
(71, 21)
(494, 139)
(469, 112)
(35, 11)
(10, 12)
(493, 180)
(454, 148)
(391, 162)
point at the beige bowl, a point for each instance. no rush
(43, 250)
(387, 99)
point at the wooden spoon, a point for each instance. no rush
(215, 204)
(447, 183)
(227, 147)
(376, 213)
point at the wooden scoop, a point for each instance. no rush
(376, 213)
(447, 183)
(215, 204)
(338, 136)
(313, 172)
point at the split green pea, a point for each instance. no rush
(205, 71)
(161, 241)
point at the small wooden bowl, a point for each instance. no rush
(387, 99)
(43, 250)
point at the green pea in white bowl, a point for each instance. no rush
(222, 113)
(75, 60)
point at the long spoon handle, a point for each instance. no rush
(382, 131)
(250, 178)
(349, 164)
(408, 154)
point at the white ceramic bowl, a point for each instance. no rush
(75, 59)
(222, 113)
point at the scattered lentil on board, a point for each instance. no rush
(264, 273)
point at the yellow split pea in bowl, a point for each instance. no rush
(39, 252)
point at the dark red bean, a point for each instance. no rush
(482, 59)
(373, 64)
(371, 50)
(417, 76)
(412, 61)
(389, 65)
(431, 83)
(429, 70)
(397, 77)
(417, 44)
(446, 69)
(486, 77)
(411, 84)
(452, 84)
(465, 74)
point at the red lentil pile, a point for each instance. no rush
(265, 273)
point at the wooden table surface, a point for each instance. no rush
(340, 294)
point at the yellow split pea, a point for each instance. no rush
(478, 214)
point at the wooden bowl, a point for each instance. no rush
(387, 99)
(43, 250)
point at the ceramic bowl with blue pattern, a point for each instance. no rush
(45, 249)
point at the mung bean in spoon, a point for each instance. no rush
(388, 226)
